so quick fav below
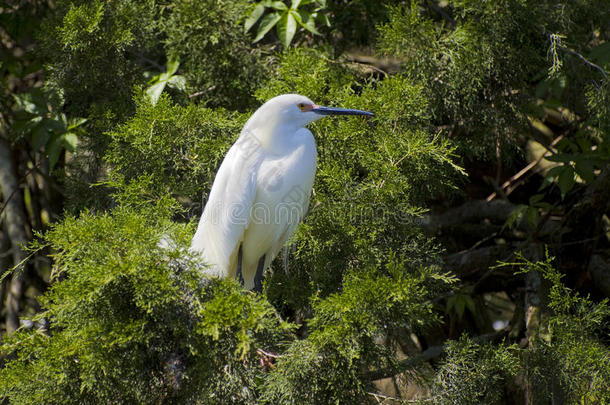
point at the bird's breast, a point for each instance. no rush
(284, 181)
(283, 187)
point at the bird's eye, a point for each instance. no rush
(305, 107)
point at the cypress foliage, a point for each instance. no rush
(377, 282)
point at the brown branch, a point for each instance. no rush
(506, 185)
(428, 354)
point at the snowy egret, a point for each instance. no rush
(261, 190)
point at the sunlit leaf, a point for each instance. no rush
(154, 91)
(177, 82)
(307, 21)
(40, 137)
(75, 122)
(172, 67)
(254, 16)
(278, 5)
(585, 169)
(266, 24)
(70, 141)
(286, 28)
(323, 18)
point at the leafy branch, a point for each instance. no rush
(286, 19)
(168, 78)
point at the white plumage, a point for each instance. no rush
(261, 190)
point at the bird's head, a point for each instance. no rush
(294, 109)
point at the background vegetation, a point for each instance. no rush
(457, 244)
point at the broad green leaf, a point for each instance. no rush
(28, 104)
(560, 157)
(278, 5)
(177, 82)
(75, 122)
(531, 214)
(266, 24)
(57, 125)
(550, 176)
(470, 303)
(40, 137)
(460, 303)
(535, 199)
(25, 127)
(53, 149)
(286, 28)
(584, 143)
(322, 18)
(295, 4)
(307, 21)
(70, 141)
(254, 16)
(172, 67)
(566, 180)
(154, 91)
(516, 216)
(585, 168)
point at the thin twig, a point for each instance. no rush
(585, 60)
(442, 13)
(523, 171)
(202, 92)
(268, 354)
(380, 398)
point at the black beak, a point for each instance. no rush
(340, 111)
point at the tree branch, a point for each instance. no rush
(428, 354)
(585, 60)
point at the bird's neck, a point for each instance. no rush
(274, 137)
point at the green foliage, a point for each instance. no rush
(100, 35)
(172, 150)
(45, 129)
(354, 22)
(528, 212)
(372, 177)
(569, 360)
(491, 48)
(168, 78)
(588, 152)
(129, 318)
(286, 19)
(350, 330)
(214, 52)
(475, 373)
(135, 322)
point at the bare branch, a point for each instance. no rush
(585, 60)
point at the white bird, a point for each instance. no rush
(261, 190)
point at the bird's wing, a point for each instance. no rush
(291, 227)
(227, 212)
